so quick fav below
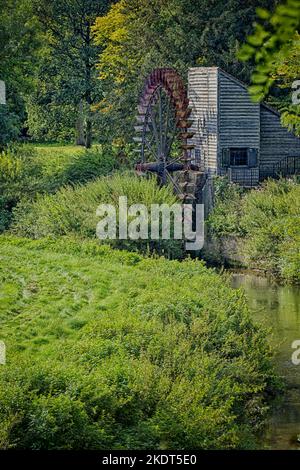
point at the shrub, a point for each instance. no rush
(271, 220)
(20, 176)
(88, 166)
(26, 172)
(225, 217)
(70, 165)
(9, 126)
(268, 221)
(72, 211)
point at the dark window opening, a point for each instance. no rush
(238, 157)
(232, 157)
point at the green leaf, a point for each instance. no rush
(263, 13)
(255, 89)
(255, 40)
(246, 52)
(259, 78)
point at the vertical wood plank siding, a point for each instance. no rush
(203, 95)
(224, 117)
(239, 126)
(239, 118)
(276, 142)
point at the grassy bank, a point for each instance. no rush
(28, 171)
(266, 222)
(72, 211)
(106, 349)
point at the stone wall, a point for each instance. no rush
(225, 251)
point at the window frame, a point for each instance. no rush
(233, 158)
(252, 157)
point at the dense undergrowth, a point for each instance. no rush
(26, 171)
(72, 211)
(267, 220)
(106, 349)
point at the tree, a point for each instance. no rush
(275, 49)
(19, 39)
(286, 73)
(52, 108)
(67, 70)
(136, 36)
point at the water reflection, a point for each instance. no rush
(279, 308)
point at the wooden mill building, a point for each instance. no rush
(233, 135)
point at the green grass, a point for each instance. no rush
(58, 150)
(27, 171)
(72, 211)
(106, 349)
(59, 147)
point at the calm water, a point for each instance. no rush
(278, 307)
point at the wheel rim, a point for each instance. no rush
(163, 123)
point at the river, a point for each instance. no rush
(278, 307)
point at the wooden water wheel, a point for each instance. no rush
(163, 133)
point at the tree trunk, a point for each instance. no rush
(88, 137)
(88, 93)
(80, 126)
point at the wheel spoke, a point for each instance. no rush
(162, 156)
(166, 126)
(171, 141)
(174, 183)
(151, 144)
(176, 160)
(150, 148)
(162, 107)
(152, 115)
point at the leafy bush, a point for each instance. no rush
(20, 176)
(110, 350)
(26, 172)
(268, 221)
(271, 220)
(72, 211)
(9, 126)
(225, 217)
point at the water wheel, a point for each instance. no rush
(163, 131)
